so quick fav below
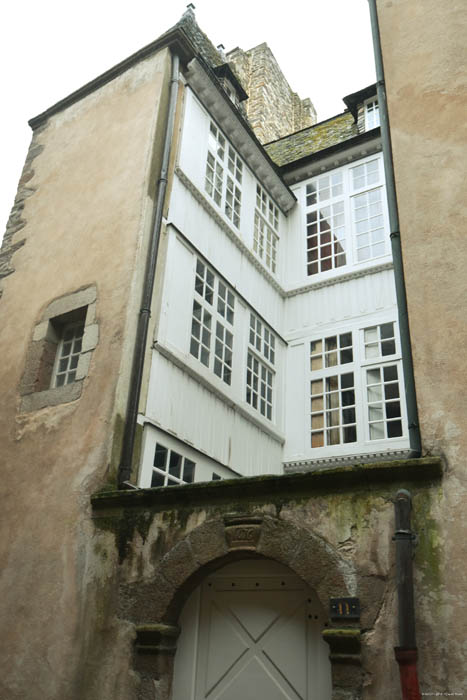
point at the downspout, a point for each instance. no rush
(407, 361)
(124, 469)
(406, 652)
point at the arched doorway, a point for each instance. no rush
(252, 631)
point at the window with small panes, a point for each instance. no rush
(212, 323)
(372, 119)
(260, 372)
(171, 468)
(224, 173)
(346, 219)
(68, 352)
(355, 388)
(266, 227)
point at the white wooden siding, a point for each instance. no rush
(184, 407)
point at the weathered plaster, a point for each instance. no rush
(427, 105)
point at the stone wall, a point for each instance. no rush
(427, 106)
(273, 109)
(333, 528)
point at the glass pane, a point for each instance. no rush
(189, 471)
(387, 330)
(317, 421)
(333, 436)
(375, 412)
(388, 347)
(371, 334)
(348, 398)
(317, 439)
(175, 464)
(316, 347)
(346, 356)
(391, 391)
(372, 350)
(394, 429)
(390, 373)
(348, 415)
(317, 404)
(377, 431)
(332, 383)
(317, 387)
(345, 340)
(157, 479)
(350, 433)
(373, 376)
(374, 393)
(393, 409)
(332, 400)
(160, 457)
(331, 359)
(347, 380)
(332, 418)
(331, 343)
(316, 362)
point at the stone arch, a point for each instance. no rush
(217, 542)
(154, 606)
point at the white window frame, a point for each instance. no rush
(224, 175)
(214, 297)
(372, 114)
(359, 366)
(260, 376)
(345, 231)
(266, 229)
(68, 353)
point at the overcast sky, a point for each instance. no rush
(50, 48)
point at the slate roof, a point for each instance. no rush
(202, 43)
(313, 139)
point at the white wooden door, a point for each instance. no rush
(252, 631)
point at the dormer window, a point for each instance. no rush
(231, 92)
(371, 115)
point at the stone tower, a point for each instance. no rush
(273, 109)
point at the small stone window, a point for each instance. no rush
(59, 354)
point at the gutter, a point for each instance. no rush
(407, 360)
(124, 469)
(406, 653)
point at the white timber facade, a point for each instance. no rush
(277, 342)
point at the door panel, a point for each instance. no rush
(258, 637)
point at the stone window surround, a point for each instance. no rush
(35, 388)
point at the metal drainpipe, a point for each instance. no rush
(407, 361)
(124, 469)
(406, 652)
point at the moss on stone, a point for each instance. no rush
(316, 138)
(428, 548)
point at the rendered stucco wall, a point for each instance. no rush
(87, 217)
(425, 55)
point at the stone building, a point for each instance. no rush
(209, 409)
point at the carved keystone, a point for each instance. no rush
(242, 531)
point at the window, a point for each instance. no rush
(345, 218)
(68, 353)
(260, 367)
(224, 171)
(355, 387)
(266, 225)
(59, 355)
(212, 323)
(371, 115)
(170, 468)
(333, 417)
